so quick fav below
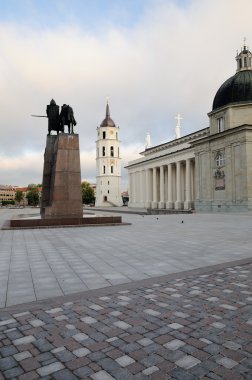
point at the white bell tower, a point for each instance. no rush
(108, 164)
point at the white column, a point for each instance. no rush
(134, 195)
(130, 190)
(169, 203)
(154, 186)
(147, 188)
(141, 187)
(161, 203)
(188, 200)
(178, 203)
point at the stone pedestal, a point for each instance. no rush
(62, 197)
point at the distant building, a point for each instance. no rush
(211, 169)
(7, 193)
(108, 164)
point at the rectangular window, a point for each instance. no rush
(103, 151)
(104, 169)
(112, 169)
(112, 151)
(103, 134)
(220, 159)
(220, 122)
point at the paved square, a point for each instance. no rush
(135, 329)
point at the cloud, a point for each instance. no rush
(172, 60)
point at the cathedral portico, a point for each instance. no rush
(163, 185)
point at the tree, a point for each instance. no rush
(33, 196)
(87, 193)
(19, 196)
(31, 186)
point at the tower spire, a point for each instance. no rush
(107, 109)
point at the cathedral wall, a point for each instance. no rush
(227, 185)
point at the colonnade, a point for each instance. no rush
(169, 185)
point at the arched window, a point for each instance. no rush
(103, 151)
(112, 169)
(112, 151)
(104, 169)
(220, 159)
(103, 134)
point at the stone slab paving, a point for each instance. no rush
(191, 325)
(38, 264)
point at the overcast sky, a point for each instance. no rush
(153, 58)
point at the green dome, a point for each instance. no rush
(237, 89)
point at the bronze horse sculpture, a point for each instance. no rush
(66, 117)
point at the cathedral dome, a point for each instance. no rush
(107, 122)
(238, 88)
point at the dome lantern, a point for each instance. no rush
(244, 59)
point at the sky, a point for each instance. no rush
(152, 58)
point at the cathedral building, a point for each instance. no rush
(208, 170)
(108, 164)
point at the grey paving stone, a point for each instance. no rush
(64, 374)
(174, 344)
(125, 360)
(187, 362)
(227, 363)
(13, 372)
(8, 351)
(49, 369)
(82, 372)
(22, 355)
(102, 375)
(7, 363)
(43, 345)
(180, 374)
(24, 340)
(108, 364)
(65, 356)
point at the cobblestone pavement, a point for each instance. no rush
(42, 263)
(192, 325)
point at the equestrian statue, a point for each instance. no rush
(57, 120)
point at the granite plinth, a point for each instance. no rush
(62, 197)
